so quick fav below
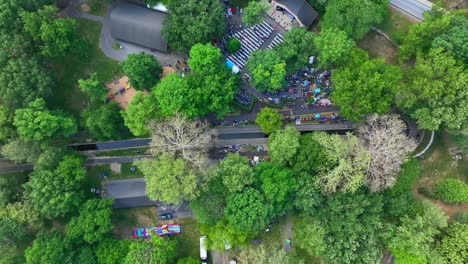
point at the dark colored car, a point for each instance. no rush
(165, 217)
(279, 8)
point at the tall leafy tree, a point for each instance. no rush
(416, 234)
(95, 90)
(346, 166)
(235, 172)
(111, 251)
(334, 47)
(193, 21)
(283, 145)
(222, 234)
(354, 230)
(269, 120)
(56, 36)
(209, 206)
(247, 211)
(158, 250)
(56, 193)
(309, 235)
(310, 156)
(20, 151)
(209, 88)
(93, 222)
(49, 247)
(37, 123)
(142, 69)
(23, 80)
(452, 246)
(104, 122)
(169, 179)
(355, 17)
(366, 88)
(263, 254)
(254, 12)
(11, 231)
(7, 130)
(278, 185)
(296, 48)
(140, 110)
(268, 70)
(436, 91)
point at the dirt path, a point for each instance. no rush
(449, 209)
(287, 234)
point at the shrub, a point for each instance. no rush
(233, 45)
(452, 191)
(426, 191)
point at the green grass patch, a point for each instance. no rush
(125, 173)
(122, 152)
(438, 163)
(98, 7)
(73, 67)
(189, 239)
(395, 24)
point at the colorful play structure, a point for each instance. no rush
(163, 230)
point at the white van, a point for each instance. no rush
(203, 252)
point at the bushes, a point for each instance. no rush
(233, 45)
(452, 191)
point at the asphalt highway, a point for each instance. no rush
(415, 8)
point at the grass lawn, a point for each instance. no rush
(189, 239)
(73, 67)
(122, 152)
(125, 220)
(395, 22)
(438, 163)
(125, 172)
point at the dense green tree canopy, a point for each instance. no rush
(334, 47)
(37, 123)
(264, 254)
(111, 251)
(453, 246)
(20, 151)
(85, 255)
(416, 234)
(283, 145)
(269, 120)
(56, 36)
(346, 164)
(11, 232)
(23, 80)
(247, 211)
(209, 206)
(235, 172)
(367, 88)
(140, 110)
(233, 45)
(209, 88)
(49, 247)
(7, 130)
(95, 90)
(310, 156)
(56, 193)
(278, 185)
(436, 91)
(222, 234)
(104, 122)
(93, 222)
(193, 21)
(254, 13)
(354, 228)
(142, 69)
(296, 48)
(157, 250)
(268, 70)
(355, 17)
(309, 235)
(169, 179)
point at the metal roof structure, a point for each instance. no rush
(303, 12)
(138, 25)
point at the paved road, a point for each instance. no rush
(415, 8)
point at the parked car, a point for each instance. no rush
(166, 216)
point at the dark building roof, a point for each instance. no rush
(301, 9)
(138, 25)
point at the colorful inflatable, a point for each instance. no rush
(163, 230)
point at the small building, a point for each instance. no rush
(302, 11)
(138, 25)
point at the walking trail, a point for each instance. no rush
(450, 210)
(287, 234)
